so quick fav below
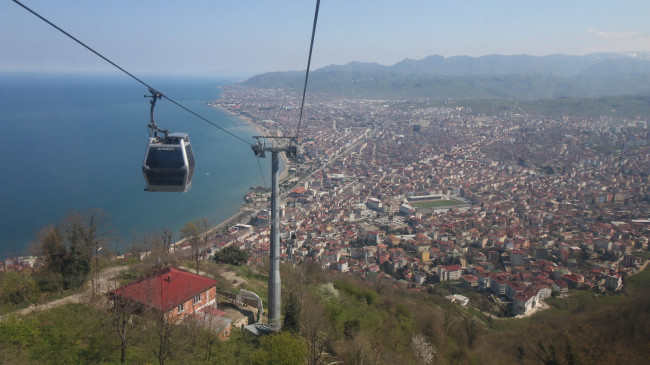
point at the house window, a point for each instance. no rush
(181, 307)
(197, 299)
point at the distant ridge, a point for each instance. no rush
(462, 77)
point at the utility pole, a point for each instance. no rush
(260, 150)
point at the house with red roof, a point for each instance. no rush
(469, 280)
(176, 293)
(449, 272)
(524, 302)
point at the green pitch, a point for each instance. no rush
(436, 204)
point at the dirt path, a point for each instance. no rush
(104, 284)
(232, 277)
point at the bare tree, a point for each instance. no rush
(203, 331)
(305, 311)
(314, 328)
(471, 327)
(119, 314)
(159, 249)
(358, 350)
(380, 282)
(197, 234)
(161, 329)
(167, 235)
(448, 322)
(204, 233)
(135, 250)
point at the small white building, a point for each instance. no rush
(420, 277)
(457, 298)
(342, 266)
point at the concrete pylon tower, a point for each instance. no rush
(275, 304)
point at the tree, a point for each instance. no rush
(16, 287)
(119, 315)
(423, 351)
(448, 323)
(197, 234)
(358, 350)
(67, 248)
(135, 250)
(291, 319)
(157, 244)
(232, 255)
(160, 332)
(472, 329)
(314, 327)
(280, 348)
(167, 235)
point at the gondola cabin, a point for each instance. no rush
(169, 163)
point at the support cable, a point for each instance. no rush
(261, 172)
(131, 75)
(304, 89)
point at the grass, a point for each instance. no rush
(580, 301)
(255, 282)
(436, 204)
(640, 281)
(642, 254)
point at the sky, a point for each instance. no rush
(241, 38)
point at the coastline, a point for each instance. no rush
(241, 212)
(261, 131)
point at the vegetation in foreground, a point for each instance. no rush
(328, 317)
(332, 317)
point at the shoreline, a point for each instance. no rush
(241, 211)
(261, 131)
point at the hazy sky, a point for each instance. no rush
(244, 37)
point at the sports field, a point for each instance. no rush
(436, 204)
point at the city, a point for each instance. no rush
(549, 203)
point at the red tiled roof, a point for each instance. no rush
(469, 277)
(166, 289)
(452, 267)
(298, 190)
(524, 297)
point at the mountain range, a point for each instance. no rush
(519, 77)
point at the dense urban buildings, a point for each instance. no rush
(544, 204)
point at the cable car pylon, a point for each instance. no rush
(260, 149)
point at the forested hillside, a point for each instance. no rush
(334, 317)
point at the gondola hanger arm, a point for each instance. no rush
(153, 127)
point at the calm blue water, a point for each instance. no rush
(73, 143)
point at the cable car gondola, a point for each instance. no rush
(168, 161)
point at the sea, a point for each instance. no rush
(72, 143)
